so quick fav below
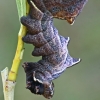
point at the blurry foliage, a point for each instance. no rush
(81, 82)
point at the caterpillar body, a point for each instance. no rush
(50, 45)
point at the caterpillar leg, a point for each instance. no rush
(33, 25)
(35, 12)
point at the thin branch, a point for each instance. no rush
(9, 80)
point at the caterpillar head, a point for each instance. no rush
(38, 87)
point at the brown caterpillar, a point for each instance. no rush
(48, 44)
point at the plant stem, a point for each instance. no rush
(18, 56)
(23, 9)
(8, 80)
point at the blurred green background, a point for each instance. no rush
(81, 82)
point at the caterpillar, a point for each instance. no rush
(49, 44)
(62, 9)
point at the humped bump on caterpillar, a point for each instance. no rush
(62, 9)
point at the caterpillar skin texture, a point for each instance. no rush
(48, 44)
(62, 9)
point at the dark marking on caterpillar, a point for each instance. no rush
(62, 9)
(50, 45)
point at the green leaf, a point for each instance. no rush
(21, 7)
